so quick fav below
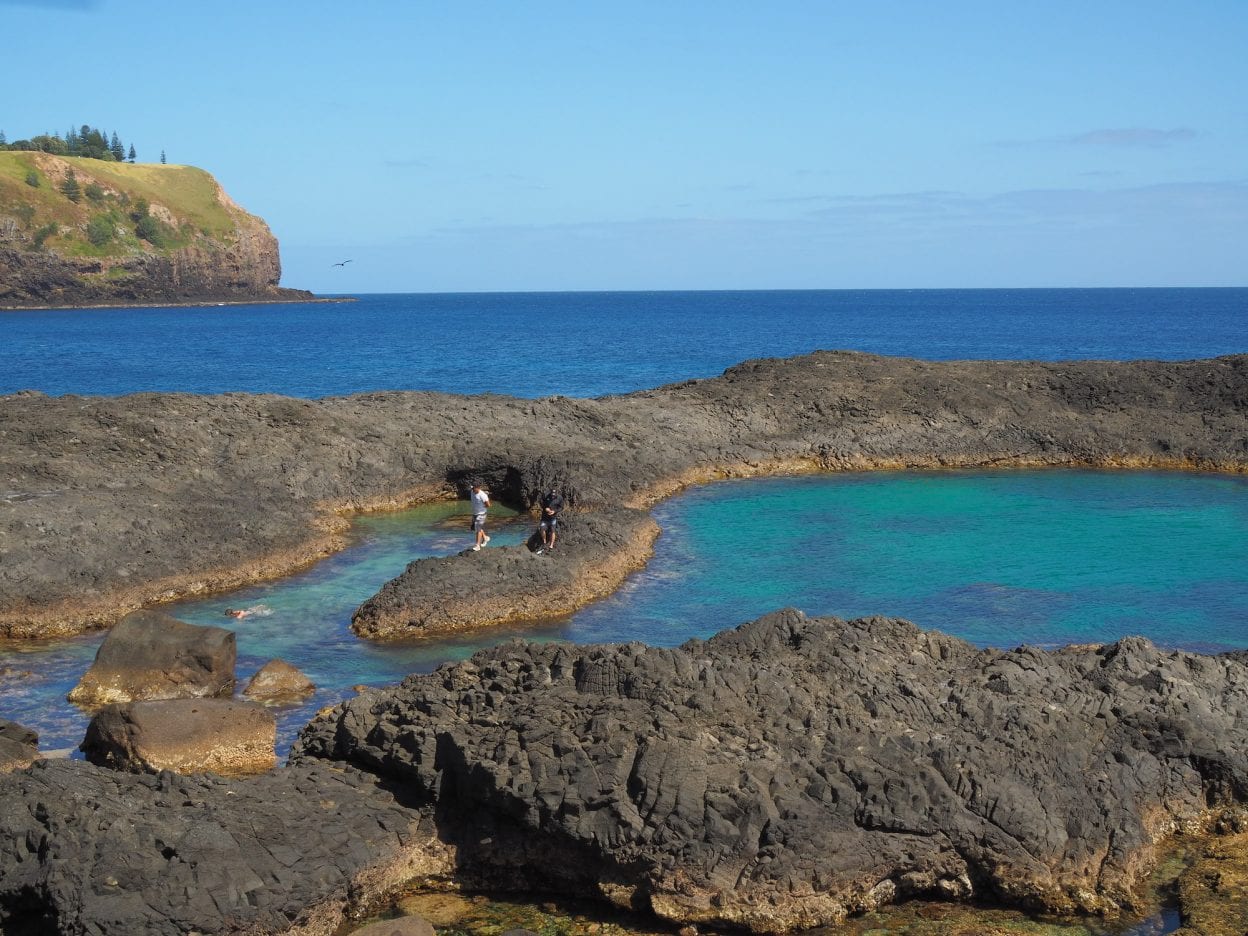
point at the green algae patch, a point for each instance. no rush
(1213, 891)
(482, 915)
(488, 915)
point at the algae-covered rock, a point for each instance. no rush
(185, 736)
(150, 655)
(277, 681)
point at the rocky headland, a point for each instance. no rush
(110, 504)
(128, 234)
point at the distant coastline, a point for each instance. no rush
(178, 304)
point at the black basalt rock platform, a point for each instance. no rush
(775, 777)
(794, 770)
(112, 504)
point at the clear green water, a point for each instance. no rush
(998, 558)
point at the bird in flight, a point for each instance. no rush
(344, 263)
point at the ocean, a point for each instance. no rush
(588, 344)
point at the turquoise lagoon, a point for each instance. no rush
(998, 558)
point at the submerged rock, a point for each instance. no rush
(150, 655)
(400, 926)
(185, 736)
(792, 771)
(277, 681)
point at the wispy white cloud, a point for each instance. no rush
(1133, 136)
(912, 216)
(1138, 137)
(82, 5)
(1172, 234)
(1056, 209)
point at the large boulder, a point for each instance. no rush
(94, 852)
(185, 736)
(793, 771)
(19, 746)
(150, 655)
(277, 682)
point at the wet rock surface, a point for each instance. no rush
(594, 552)
(19, 746)
(277, 681)
(150, 655)
(111, 504)
(84, 850)
(785, 773)
(185, 736)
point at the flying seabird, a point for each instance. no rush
(344, 263)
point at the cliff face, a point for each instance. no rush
(82, 231)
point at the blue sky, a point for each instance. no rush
(466, 146)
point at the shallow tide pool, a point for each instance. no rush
(997, 558)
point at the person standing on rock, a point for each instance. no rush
(548, 526)
(480, 504)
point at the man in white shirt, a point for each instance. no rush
(480, 503)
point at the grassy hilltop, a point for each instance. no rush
(76, 230)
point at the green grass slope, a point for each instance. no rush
(184, 205)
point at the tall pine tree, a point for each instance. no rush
(115, 147)
(70, 189)
(131, 156)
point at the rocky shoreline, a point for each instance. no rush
(780, 776)
(113, 504)
(284, 296)
(783, 775)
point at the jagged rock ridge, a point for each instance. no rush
(784, 774)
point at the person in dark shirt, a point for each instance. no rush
(548, 526)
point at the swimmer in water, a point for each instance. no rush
(262, 610)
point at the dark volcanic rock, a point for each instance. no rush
(110, 504)
(19, 746)
(595, 552)
(150, 655)
(793, 770)
(84, 850)
(185, 736)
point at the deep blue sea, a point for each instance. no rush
(587, 344)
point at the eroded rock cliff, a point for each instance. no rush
(132, 234)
